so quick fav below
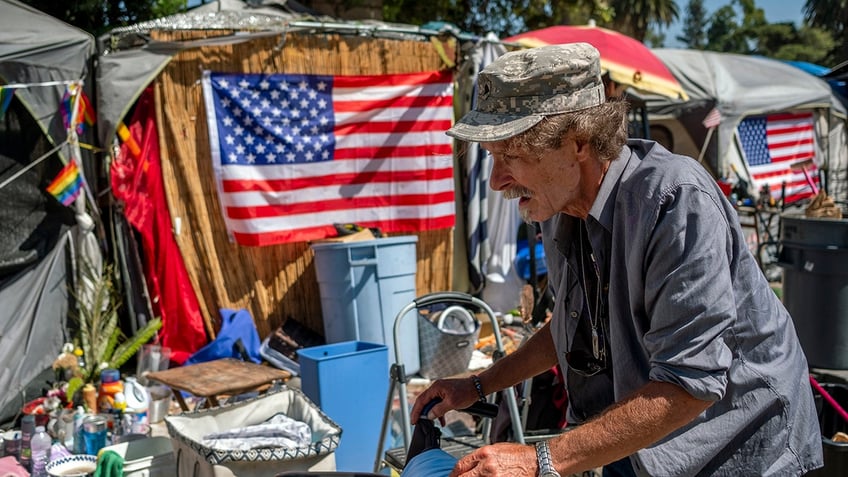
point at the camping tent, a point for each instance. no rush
(39, 56)
(735, 88)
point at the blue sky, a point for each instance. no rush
(776, 11)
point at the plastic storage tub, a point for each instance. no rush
(350, 382)
(363, 286)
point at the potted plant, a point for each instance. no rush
(99, 335)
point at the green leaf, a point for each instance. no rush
(128, 348)
(74, 385)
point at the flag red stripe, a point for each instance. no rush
(791, 157)
(790, 143)
(405, 102)
(319, 232)
(444, 76)
(362, 177)
(789, 128)
(790, 182)
(345, 203)
(392, 127)
(796, 197)
(384, 152)
(789, 116)
(405, 225)
(777, 173)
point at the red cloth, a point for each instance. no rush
(138, 182)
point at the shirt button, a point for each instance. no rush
(574, 314)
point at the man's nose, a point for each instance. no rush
(498, 178)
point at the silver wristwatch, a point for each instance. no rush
(543, 457)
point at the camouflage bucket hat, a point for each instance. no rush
(518, 89)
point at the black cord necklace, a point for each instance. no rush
(594, 316)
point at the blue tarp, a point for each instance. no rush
(839, 87)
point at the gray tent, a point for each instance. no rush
(737, 87)
(38, 56)
(37, 48)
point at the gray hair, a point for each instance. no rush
(603, 128)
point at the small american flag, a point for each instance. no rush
(712, 119)
(294, 154)
(772, 144)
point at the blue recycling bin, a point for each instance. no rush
(363, 286)
(349, 381)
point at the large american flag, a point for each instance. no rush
(772, 144)
(294, 154)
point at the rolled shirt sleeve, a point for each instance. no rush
(688, 293)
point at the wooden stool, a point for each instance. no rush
(214, 379)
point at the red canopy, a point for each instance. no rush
(627, 60)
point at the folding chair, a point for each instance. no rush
(457, 446)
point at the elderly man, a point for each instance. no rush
(679, 358)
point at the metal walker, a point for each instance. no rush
(399, 379)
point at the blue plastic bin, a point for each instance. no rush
(363, 286)
(349, 381)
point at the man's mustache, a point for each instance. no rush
(517, 193)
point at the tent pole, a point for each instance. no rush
(704, 152)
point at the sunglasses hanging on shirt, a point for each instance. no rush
(583, 362)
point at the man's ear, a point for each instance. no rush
(581, 149)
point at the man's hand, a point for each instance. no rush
(501, 459)
(535, 356)
(457, 393)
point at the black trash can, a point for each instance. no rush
(835, 453)
(814, 256)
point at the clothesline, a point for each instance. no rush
(32, 164)
(43, 83)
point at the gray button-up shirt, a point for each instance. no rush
(687, 305)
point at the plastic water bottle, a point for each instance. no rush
(79, 446)
(40, 444)
(138, 404)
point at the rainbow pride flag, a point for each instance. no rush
(86, 117)
(66, 187)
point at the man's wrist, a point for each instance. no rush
(545, 461)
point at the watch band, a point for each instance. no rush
(479, 387)
(546, 463)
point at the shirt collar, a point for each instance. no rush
(604, 205)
